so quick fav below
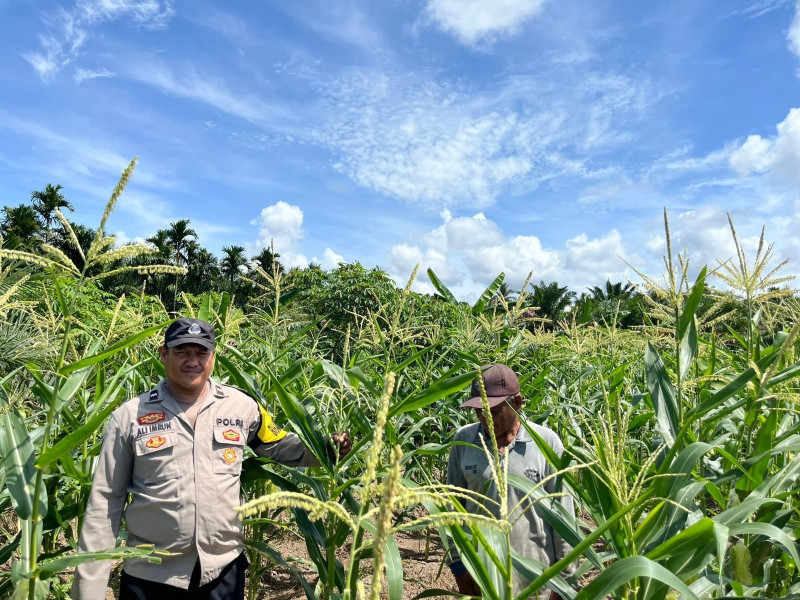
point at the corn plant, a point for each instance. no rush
(39, 458)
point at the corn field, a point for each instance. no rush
(682, 436)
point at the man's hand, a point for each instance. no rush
(343, 443)
(466, 585)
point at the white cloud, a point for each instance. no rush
(210, 90)
(123, 239)
(473, 21)
(438, 144)
(280, 226)
(467, 253)
(793, 36)
(68, 30)
(779, 154)
(330, 259)
(82, 75)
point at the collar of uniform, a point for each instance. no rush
(158, 393)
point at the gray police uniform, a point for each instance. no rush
(531, 535)
(184, 484)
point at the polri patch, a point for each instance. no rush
(231, 435)
(231, 422)
(229, 456)
(156, 441)
(150, 418)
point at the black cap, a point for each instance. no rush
(189, 331)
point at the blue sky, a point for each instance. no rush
(468, 136)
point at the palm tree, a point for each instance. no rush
(178, 238)
(63, 241)
(203, 269)
(161, 241)
(613, 291)
(46, 202)
(614, 303)
(20, 226)
(232, 263)
(551, 301)
(267, 259)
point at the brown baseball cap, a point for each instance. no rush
(499, 381)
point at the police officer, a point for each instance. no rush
(177, 450)
(468, 468)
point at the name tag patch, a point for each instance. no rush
(154, 428)
(231, 422)
(150, 418)
(229, 456)
(156, 441)
(471, 469)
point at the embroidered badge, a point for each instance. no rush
(151, 418)
(156, 441)
(533, 475)
(154, 395)
(230, 434)
(229, 456)
(194, 329)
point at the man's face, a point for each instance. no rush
(503, 415)
(188, 366)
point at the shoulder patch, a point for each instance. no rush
(269, 432)
(153, 417)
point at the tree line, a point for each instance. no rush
(340, 294)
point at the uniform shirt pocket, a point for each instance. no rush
(156, 457)
(227, 449)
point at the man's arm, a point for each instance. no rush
(269, 441)
(104, 511)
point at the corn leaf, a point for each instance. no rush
(662, 395)
(16, 448)
(692, 303)
(112, 350)
(627, 569)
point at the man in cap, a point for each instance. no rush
(177, 450)
(468, 468)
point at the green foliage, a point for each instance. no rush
(682, 438)
(549, 302)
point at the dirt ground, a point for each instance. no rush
(420, 574)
